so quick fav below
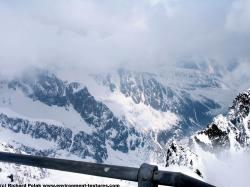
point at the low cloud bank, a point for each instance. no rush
(230, 170)
(98, 35)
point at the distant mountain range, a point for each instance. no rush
(122, 117)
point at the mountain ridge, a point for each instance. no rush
(95, 131)
(229, 134)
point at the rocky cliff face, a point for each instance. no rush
(108, 129)
(148, 89)
(182, 156)
(228, 133)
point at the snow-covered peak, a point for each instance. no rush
(225, 135)
(230, 132)
(220, 135)
(183, 156)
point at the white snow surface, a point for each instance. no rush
(141, 116)
(144, 117)
(203, 138)
(18, 105)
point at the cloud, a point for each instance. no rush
(238, 18)
(229, 170)
(239, 77)
(94, 34)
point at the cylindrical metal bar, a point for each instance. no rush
(178, 180)
(102, 170)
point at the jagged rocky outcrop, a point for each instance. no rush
(226, 133)
(219, 135)
(143, 87)
(182, 156)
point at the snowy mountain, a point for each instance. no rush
(226, 135)
(183, 156)
(121, 117)
(230, 132)
(192, 110)
(103, 128)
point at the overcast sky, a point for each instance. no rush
(111, 33)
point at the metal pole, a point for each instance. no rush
(146, 176)
(101, 170)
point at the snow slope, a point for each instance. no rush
(122, 117)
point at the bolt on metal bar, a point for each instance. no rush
(146, 176)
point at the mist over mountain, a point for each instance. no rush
(98, 36)
(125, 82)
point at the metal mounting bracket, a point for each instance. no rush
(145, 176)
